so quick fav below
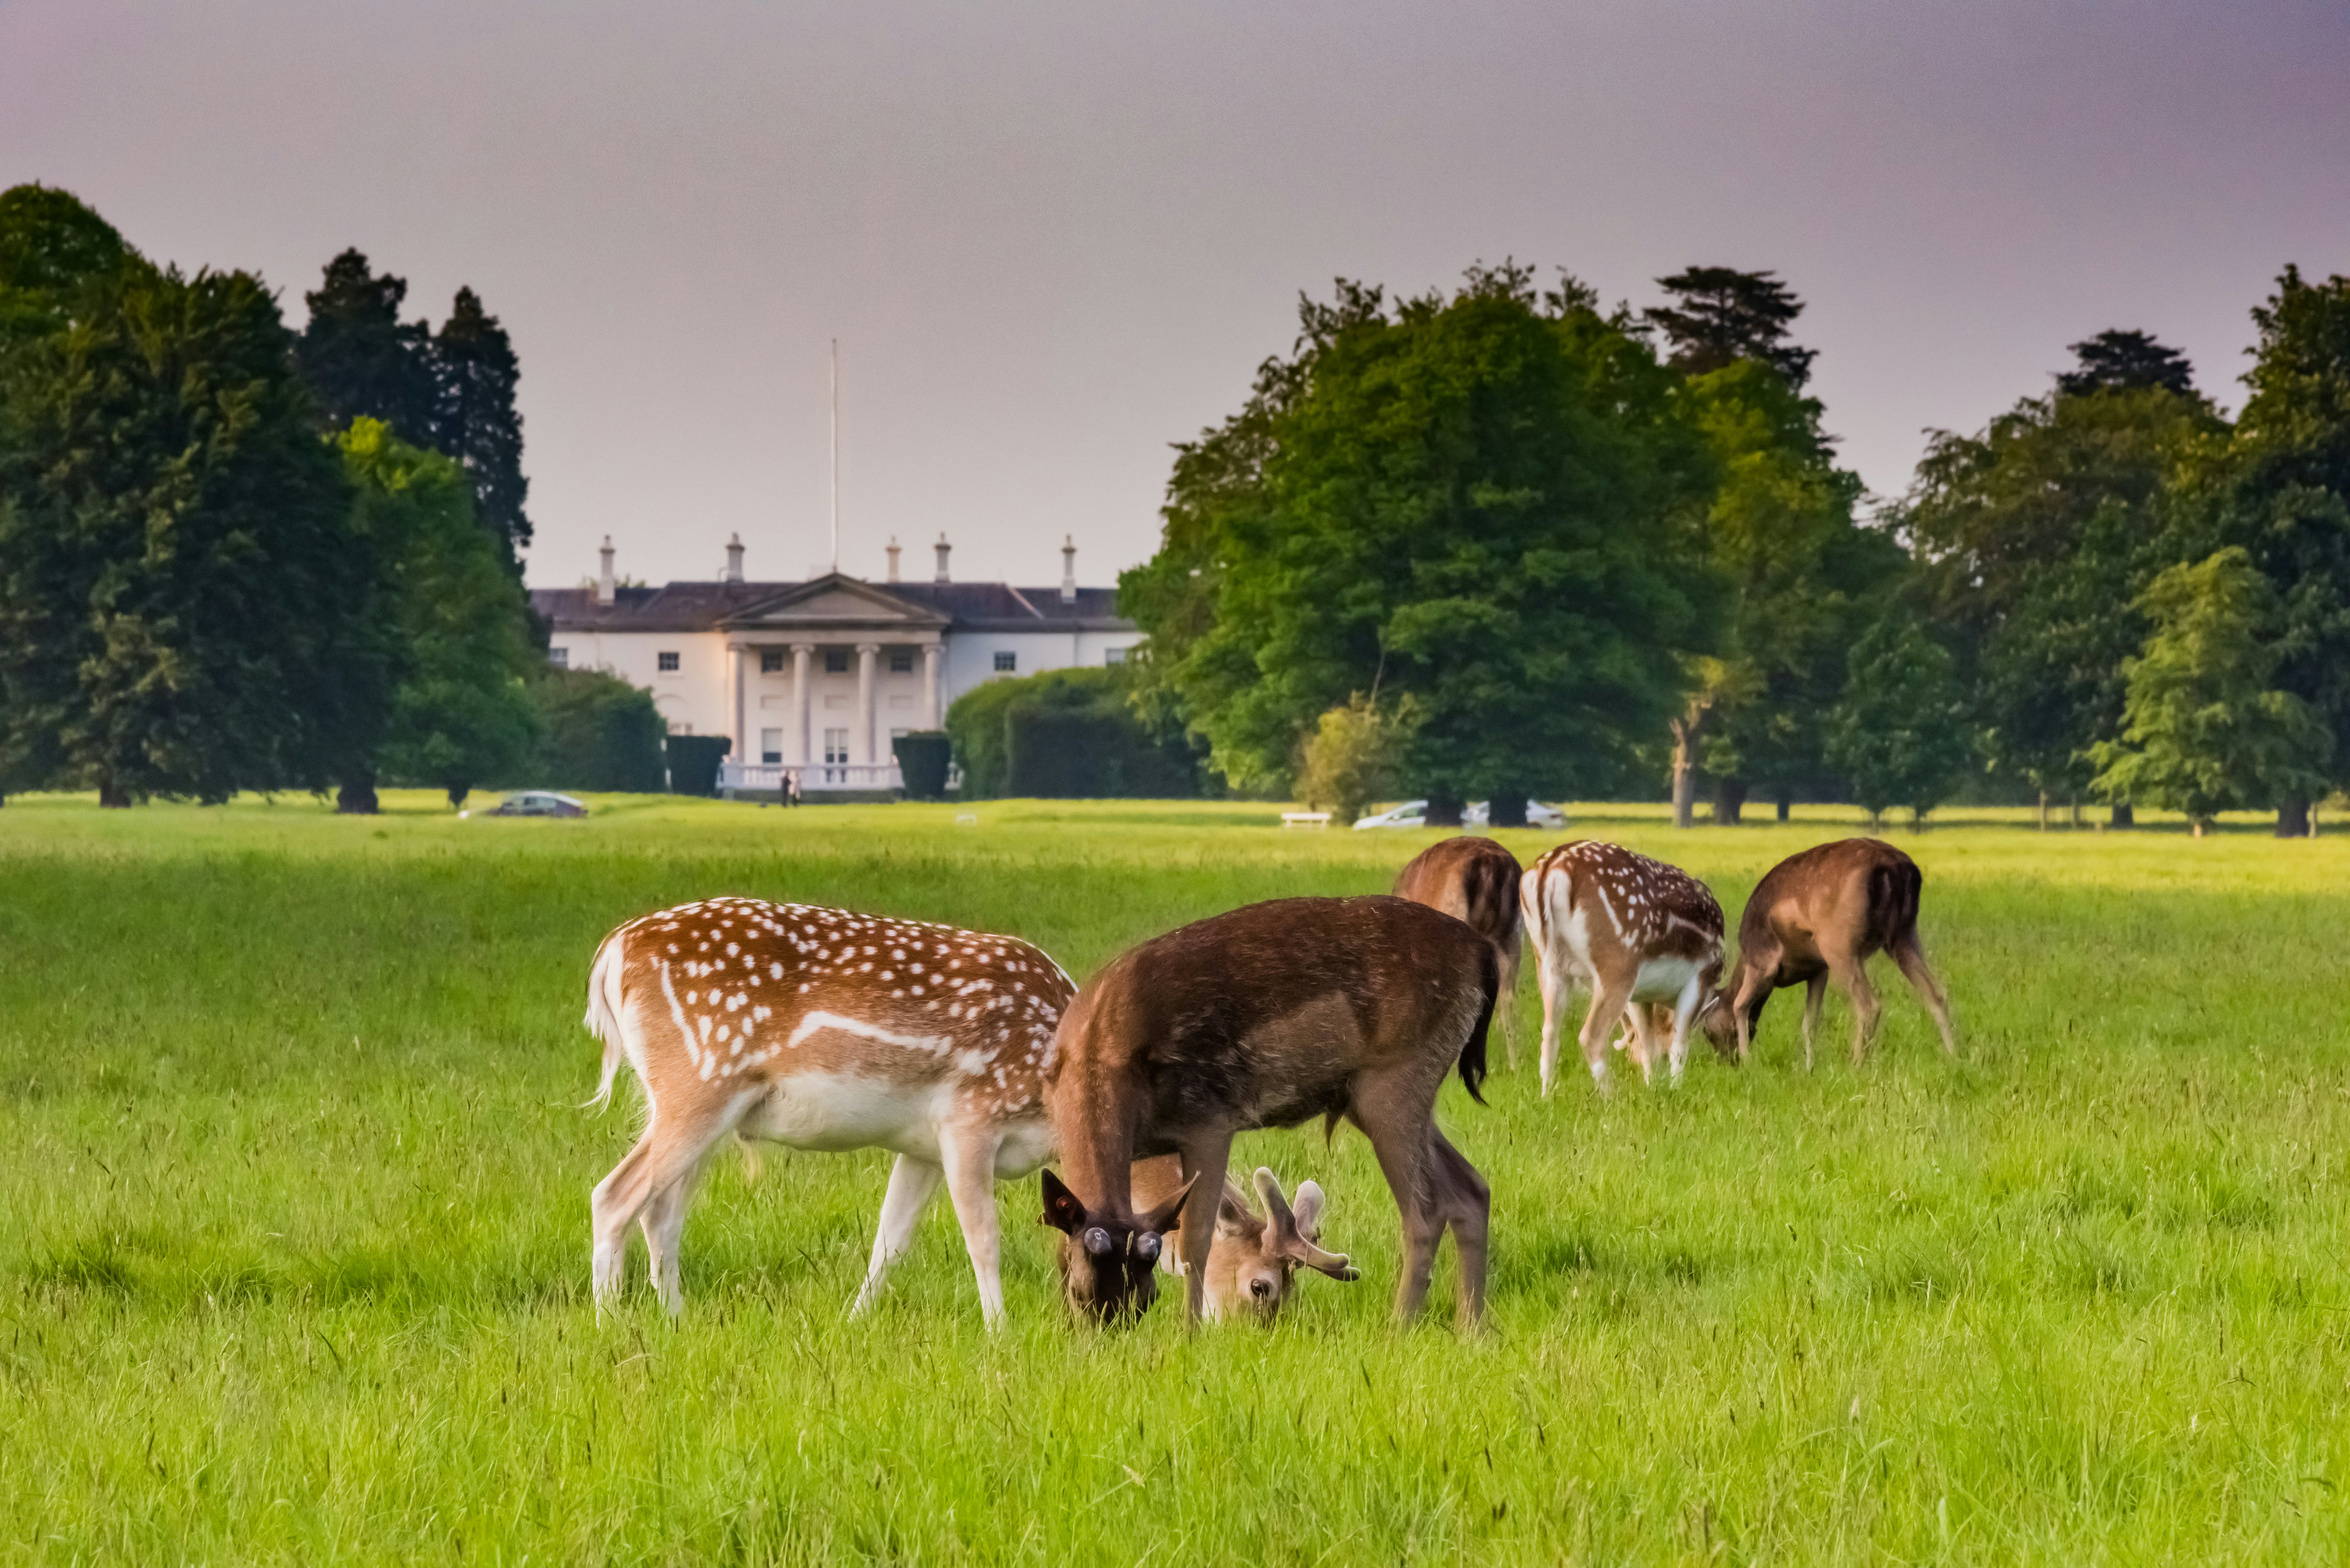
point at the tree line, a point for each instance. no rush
(1502, 543)
(237, 557)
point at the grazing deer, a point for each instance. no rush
(1267, 1016)
(1476, 880)
(1820, 915)
(823, 1029)
(1253, 1266)
(1638, 932)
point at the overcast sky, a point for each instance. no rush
(1053, 237)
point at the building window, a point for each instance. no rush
(836, 748)
(901, 662)
(771, 747)
(1006, 662)
(559, 657)
(1114, 656)
(836, 661)
(771, 662)
(666, 662)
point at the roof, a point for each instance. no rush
(710, 607)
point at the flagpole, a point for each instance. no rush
(836, 456)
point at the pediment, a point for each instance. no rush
(834, 602)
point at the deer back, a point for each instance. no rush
(729, 994)
(1848, 899)
(1616, 910)
(1474, 881)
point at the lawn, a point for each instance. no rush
(297, 1262)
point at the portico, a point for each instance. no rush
(823, 677)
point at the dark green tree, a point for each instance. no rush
(175, 552)
(599, 733)
(2279, 488)
(1487, 503)
(459, 624)
(1720, 314)
(1900, 733)
(52, 247)
(2204, 732)
(476, 420)
(361, 359)
(1065, 734)
(2034, 538)
(2125, 362)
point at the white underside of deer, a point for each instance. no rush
(823, 1030)
(1639, 933)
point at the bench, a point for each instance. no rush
(1290, 819)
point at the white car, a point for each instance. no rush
(1414, 814)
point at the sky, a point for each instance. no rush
(1053, 238)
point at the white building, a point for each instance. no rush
(815, 679)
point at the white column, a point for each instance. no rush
(930, 715)
(796, 747)
(741, 737)
(865, 652)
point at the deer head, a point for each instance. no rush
(1108, 1264)
(1254, 1260)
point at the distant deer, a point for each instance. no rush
(1476, 880)
(1640, 932)
(1253, 1264)
(1819, 916)
(1269, 1015)
(824, 1029)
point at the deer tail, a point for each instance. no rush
(1472, 1050)
(605, 1001)
(1895, 896)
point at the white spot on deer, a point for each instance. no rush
(936, 1044)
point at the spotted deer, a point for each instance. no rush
(823, 1029)
(1821, 915)
(1270, 1015)
(1475, 880)
(1253, 1266)
(1638, 932)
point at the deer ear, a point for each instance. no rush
(1163, 1218)
(1309, 1210)
(1233, 1221)
(1062, 1210)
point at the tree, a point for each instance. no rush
(459, 624)
(1488, 503)
(2116, 362)
(1065, 734)
(2203, 731)
(175, 550)
(476, 420)
(1899, 733)
(601, 733)
(361, 359)
(51, 248)
(2034, 538)
(1350, 758)
(1801, 575)
(1722, 315)
(2279, 489)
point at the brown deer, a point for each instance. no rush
(824, 1029)
(1640, 933)
(1268, 1015)
(1253, 1266)
(1820, 915)
(1476, 880)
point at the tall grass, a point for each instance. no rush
(296, 1271)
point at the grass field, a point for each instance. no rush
(297, 1260)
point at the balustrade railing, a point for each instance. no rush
(815, 778)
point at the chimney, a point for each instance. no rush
(944, 547)
(1068, 569)
(893, 558)
(604, 584)
(734, 559)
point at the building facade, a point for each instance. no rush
(814, 679)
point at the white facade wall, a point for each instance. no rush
(692, 699)
(970, 655)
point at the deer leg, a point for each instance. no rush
(1684, 1011)
(663, 1223)
(1505, 1003)
(1815, 992)
(1207, 1158)
(1404, 1155)
(1554, 985)
(666, 1156)
(1911, 956)
(1854, 978)
(1740, 1014)
(970, 1158)
(911, 1184)
(1638, 1031)
(1466, 1203)
(1606, 1006)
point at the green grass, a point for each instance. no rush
(296, 1264)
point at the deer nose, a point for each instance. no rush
(1262, 1289)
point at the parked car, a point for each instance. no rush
(1414, 814)
(538, 803)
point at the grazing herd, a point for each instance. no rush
(973, 1057)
